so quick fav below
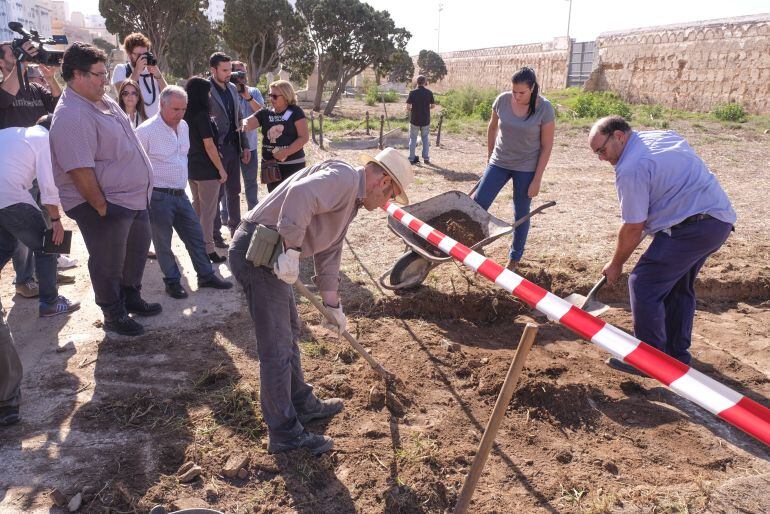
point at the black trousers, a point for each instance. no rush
(117, 252)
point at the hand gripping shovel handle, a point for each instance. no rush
(376, 366)
(594, 290)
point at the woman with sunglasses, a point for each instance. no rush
(130, 100)
(284, 134)
(519, 143)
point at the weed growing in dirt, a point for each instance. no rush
(599, 104)
(730, 112)
(571, 494)
(313, 349)
(236, 407)
(420, 449)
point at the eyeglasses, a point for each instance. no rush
(274, 97)
(602, 149)
(129, 93)
(102, 75)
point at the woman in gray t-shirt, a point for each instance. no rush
(519, 143)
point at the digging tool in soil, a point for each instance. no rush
(387, 375)
(589, 303)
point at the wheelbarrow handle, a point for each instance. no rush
(533, 212)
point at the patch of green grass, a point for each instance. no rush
(235, 406)
(313, 349)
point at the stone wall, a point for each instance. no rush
(493, 67)
(696, 66)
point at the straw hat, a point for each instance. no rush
(397, 166)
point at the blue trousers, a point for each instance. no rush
(661, 285)
(424, 132)
(169, 213)
(492, 182)
(25, 224)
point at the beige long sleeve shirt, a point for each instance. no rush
(312, 211)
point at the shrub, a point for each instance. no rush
(468, 102)
(374, 96)
(600, 104)
(731, 112)
(653, 112)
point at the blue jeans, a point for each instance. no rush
(661, 285)
(23, 264)
(23, 223)
(169, 213)
(413, 130)
(492, 182)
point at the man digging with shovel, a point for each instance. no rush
(306, 216)
(667, 191)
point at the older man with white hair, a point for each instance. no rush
(165, 138)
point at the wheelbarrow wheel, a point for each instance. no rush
(409, 271)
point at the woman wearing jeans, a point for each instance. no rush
(519, 143)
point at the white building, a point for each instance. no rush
(215, 11)
(33, 14)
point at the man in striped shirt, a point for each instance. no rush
(165, 138)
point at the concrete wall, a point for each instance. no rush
(493, 67)
(696, 66)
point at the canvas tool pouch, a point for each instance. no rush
(269, 172)
(265, 247)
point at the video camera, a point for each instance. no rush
(44, 56)
(239, 79)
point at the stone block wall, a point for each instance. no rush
(493, 67)
(695, 67)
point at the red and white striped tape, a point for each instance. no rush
(744, 413)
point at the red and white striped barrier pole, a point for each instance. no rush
(731, 406)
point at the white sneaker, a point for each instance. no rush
(64, 262)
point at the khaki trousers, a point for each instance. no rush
(205, 201)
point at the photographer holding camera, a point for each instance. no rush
(251, 101)
(142, 67)
(20, 106)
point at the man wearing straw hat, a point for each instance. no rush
(306, 216)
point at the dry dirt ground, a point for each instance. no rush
(114, 418)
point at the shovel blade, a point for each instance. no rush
(592, 307)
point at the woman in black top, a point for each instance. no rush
(284, 134)
(204, 165)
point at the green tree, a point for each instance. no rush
(104, 45)
(430, 64)
(191, 46)
(156, 19)
(347, 37)
(399, 68)
(261, 32)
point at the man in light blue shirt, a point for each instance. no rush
(667, 191)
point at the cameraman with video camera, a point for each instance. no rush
(251, 101)
(142, 68)
(22, 106)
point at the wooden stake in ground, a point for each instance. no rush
(503, 399)
(321, 130)
(312, 126)
(382, 128)
(387, 375)
(440, 123)
(367, 123)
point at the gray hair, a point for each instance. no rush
(170, 91)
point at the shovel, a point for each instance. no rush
(589, 303)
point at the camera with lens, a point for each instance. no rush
(44, 55)
(151, 60)
(239, 79)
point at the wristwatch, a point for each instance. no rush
(249, 99)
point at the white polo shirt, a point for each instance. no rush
(27, 156)
(167, 150)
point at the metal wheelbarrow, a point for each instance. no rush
(411, 269)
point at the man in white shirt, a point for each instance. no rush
(165, 138)
(20, 217)
(143, 69)
(21, 220)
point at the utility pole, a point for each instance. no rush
(438, 31)
(569, 16)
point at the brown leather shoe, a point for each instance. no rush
(511, 265)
